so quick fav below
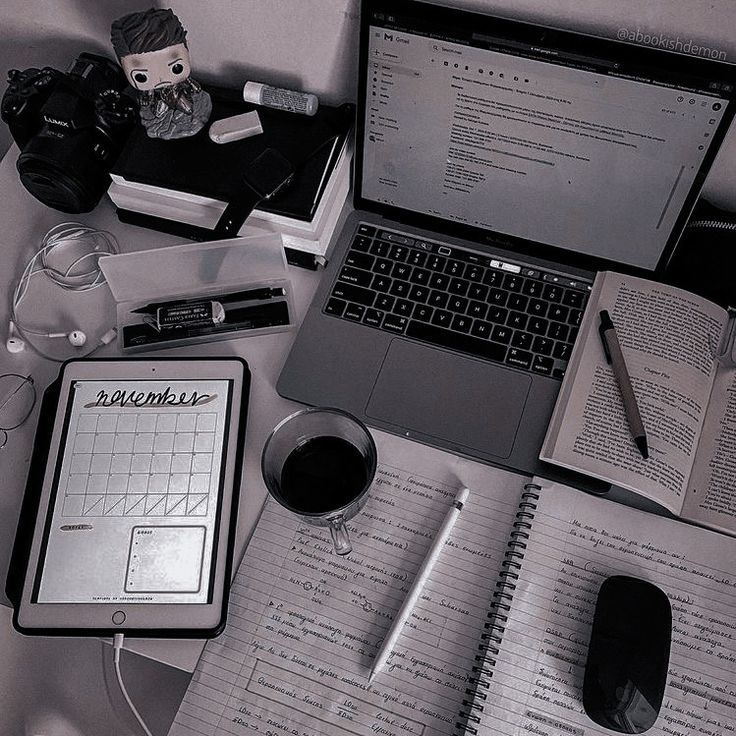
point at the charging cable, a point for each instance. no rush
(117, 644)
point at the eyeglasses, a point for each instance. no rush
(17, 399)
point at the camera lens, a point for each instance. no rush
(45, 182)
(66, 177)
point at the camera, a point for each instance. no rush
(70, 128)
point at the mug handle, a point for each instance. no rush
(339, 534)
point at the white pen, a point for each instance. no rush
(419, 581)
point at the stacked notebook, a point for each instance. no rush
(498, 640)
(181, 185)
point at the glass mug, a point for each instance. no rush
(319, 464)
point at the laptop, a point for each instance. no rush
(498, 166)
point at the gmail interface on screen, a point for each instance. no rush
(564, 152)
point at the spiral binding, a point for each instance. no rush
(500, 605)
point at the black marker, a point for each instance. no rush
(236, 296)
(256, 316)
(615, 358)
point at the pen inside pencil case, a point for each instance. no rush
(273, 313)
(261, 293)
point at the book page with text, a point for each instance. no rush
(576, 541)
(668, 337)
(711, 495)
(304, 625)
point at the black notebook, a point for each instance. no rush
(199, 166)
(497, 642)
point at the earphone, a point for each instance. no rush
(63, 256)
(77, 338)
(16, 344)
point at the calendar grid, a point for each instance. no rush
(141, 464)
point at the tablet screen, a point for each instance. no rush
(136, 493)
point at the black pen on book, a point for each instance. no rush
(615, 358)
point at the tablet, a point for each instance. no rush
(136, 501)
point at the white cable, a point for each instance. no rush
(60, 236)
(117, 644)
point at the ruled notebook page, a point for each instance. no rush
(304, 624)
(576, 542)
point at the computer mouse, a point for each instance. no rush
(628, 654)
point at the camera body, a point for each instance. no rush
(70, 128)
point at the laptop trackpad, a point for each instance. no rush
(461, 400)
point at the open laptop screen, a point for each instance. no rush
(586, 145)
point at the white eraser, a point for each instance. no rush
(236, 127)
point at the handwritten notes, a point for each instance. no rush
(304, 625)
(576, 542)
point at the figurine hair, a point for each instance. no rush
(149, 30)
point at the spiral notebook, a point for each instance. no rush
(563, 546)
(497, 642)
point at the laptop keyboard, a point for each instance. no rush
(455, 298)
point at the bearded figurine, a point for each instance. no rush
(152, 49)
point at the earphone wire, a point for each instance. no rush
(57, 237)
(57, 240)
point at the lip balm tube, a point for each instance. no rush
(304, 103)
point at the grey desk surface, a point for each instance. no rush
(23, 223)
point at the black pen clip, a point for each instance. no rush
(606, 324)
(725, 353)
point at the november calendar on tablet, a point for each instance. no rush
(132, 531)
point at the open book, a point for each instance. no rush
(671, 340)
(508, 607)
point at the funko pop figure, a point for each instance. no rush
(152, 50)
